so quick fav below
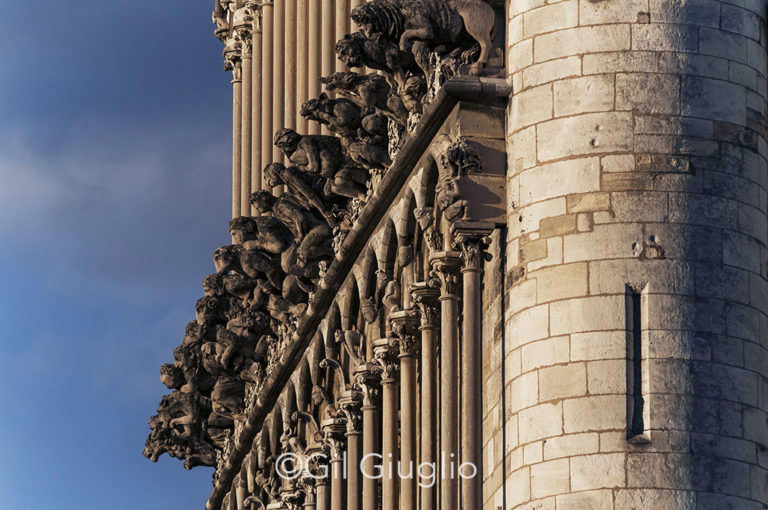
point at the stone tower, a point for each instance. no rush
(636, 326)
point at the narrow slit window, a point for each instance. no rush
(637, 378)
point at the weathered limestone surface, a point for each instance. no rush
(637, 194)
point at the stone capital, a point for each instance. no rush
(333, 436)
(232, 58)
(367, 379)
(385, 355)
(472, 238)
(445, 267)
(426, 296)
(350, 403)
(242, 26)
(404, 327)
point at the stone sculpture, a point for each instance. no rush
(422, 24)
(323, 155)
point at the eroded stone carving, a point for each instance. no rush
(423, 24)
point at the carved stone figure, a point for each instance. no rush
(313, 234)
(376, 52)
(454, 160)
(264, 233)
(420, 24)
(368, 91)
(177, 429)
(342, 116)
(352, 342)
(299, 183)
(323, 155)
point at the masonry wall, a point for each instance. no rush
(636, 326)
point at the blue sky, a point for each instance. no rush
(115, 143)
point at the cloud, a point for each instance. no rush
(119, 215)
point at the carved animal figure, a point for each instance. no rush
(377, 52)
(419, 24)
(369, 90)
(323, 155)
(342, 116)
(299, 183)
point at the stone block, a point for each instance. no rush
(714, 99)
(626, 181)
(563, 381)
(534, 250)
(615, 62)
(584, 134)
(597, 313)
(522, 148)
(557, 225)
(664, 37)
(606, 377)
(550, 18)
(560, 178)
(693, 64)
(599, 345)
(604, 242)
(551, 351)
(561, 282)
(522, 296)
(647, 93)
(743, 75)
(660, 470)
(550, 478)
(533, 453)
(531, 106)
(598, 471)
(551, 70)
(617, 11)
(588, 202)
(587, 500)
(719, 43)
(621, 163)
(519, 487)
(690, 12)
(595, 413)
(529, 325)
(756, 58)
(655, 498)
(582, 95)
(640, 206)
(540, 422)
(520, 55)
(571, 445)
(580, 40)
(740, 21)
(755, 423)
(524, 391)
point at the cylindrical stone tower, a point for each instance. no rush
(636, 336)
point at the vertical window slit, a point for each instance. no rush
(637, 404)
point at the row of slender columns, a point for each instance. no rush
(356, 432)
(279, 66)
